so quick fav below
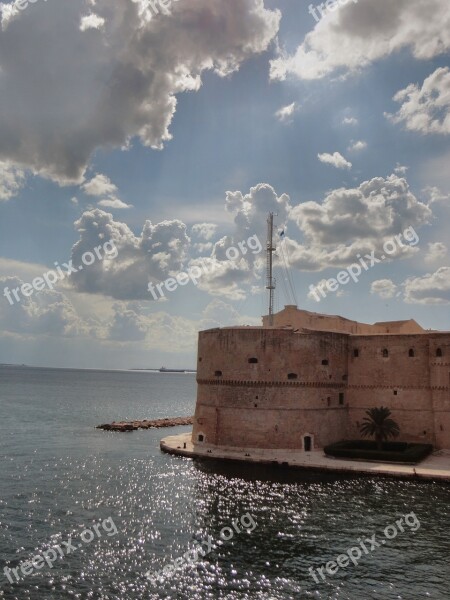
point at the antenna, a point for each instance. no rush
(270, 283)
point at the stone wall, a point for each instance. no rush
(269, 388)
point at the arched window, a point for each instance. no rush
(411, 353)
(356, 353)
(201, 438)
(385, 353)
(439, 353)
(325, 362)
(292, 376)
(252, 361)
(218, 373)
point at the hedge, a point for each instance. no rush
(399, 452)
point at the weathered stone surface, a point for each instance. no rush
(272, 387)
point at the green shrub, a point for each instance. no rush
(399, 452)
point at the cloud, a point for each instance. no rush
(12, 179)
(433, 288)
(356, 221)
(102, 90)
(336, 160)
(285, 113)
(220, 314)
(436, 251)
(426, 109)
(201, 248)
(204, 231)
(164, 250)
(91, 21)
(99, 185)
(350, 121)
(127, 324)
(47, 313)
(435, 195)
(401, 169)
(361, 33)
(113, 203)
(250, 210)
(231, 278)
(357, 146)
(159, 251)
(384, 288)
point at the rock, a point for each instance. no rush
(124, 426)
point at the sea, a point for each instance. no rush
(129, 522)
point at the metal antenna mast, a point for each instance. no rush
(270, 279)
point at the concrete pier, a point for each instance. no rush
(435, 467)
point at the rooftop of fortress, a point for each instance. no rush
(291, 316)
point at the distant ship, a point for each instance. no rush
(164, 370)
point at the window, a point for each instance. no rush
(218, 373)
(341, 398)
(395, 393)
(252, 361)
(356, 353)
(292, 376)
(439, 353)
(201, 437)
(328, 401)
(385, 353)
(411, 353)
(325, 362)
(199, 359)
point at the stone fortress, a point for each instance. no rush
(306, 381)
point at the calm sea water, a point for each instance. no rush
(60, 476)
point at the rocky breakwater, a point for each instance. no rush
(124, 426)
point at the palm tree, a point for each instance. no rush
(379, 424)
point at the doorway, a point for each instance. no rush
(307, 443)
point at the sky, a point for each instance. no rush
(145, 144)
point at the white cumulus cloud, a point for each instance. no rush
(336, 160)
(91, 21)
(102, 90)
(361, 33)
(12, 179)
(432, 288)
(426, 109)
(285, 113)
(384, 288)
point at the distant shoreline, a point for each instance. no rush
(102, 369)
